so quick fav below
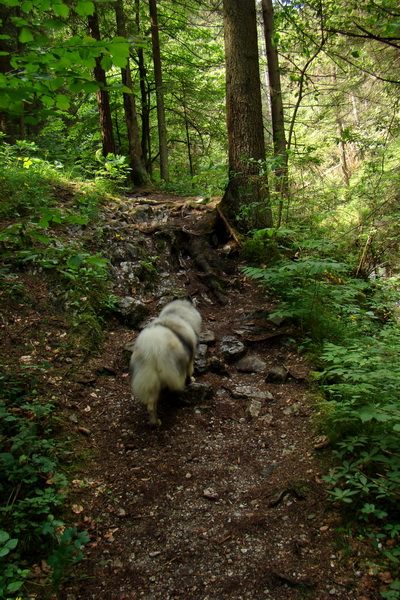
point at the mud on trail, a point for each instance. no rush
(225, 500)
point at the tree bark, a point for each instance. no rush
(247, 194)
(103, 98)
(277, 115)
(144, 98)
(138, 170)
(162, 130)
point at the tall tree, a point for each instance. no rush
(103, 98)
(144, 98)
(138, 170)
(247, 192)
(277, 115)
(162, 130)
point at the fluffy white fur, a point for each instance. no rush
(163, 354)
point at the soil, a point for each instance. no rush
(217, 503)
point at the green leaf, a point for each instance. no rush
(15, 586)
(62, 102)
(25, 36)
(85, 8)
(76, 260)
(4, 536)
(61, 10)
(119, 61)
(119, 47)
(106, 63)
(125, 89)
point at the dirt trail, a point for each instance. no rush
(218, 503)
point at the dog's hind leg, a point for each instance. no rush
(152, 402)
(189, 372)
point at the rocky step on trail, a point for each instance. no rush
(225, 500)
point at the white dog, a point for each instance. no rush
(163, 354)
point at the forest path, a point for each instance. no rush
(225, 500)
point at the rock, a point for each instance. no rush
(231, 348)
(246, 391)
(132, 312)
(201, 358)
(195, 393)
(254, 408)
(269, 469)
(277, 374)
(293, 409)
(143, 213)
(251, 364)
(217, 366)
(133, 252)
(276, 320)
(207, 337)
(210, 494)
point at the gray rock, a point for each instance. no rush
(293, 409)
(254, 408)
(143, 213)
(250, 393)
(131, 311)
(277, 375)
(231, 348)
(251, 364)
(201, 358)
(195, 393)
(207, 337)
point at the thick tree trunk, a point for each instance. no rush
(103, 99)
(138, 170)
(277, 115)
(162, 131)
(247, 193)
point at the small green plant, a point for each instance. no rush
(113, 167)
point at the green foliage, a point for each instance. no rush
(38, 236)
(33, 486)
(48, 62)
(356, 343)
(309, 290)
(113, 167)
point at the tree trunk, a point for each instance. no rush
(103, 99)
(138, 170)
(144, 99)
(344, 169)
(162, 131)
(277, 116)
(247, 193)
(188, 143)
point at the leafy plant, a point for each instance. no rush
(307, 291)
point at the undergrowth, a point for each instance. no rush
(35, 542)
(350, 328)
(42, 214)
(47, 233)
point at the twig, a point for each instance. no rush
(230, 229)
